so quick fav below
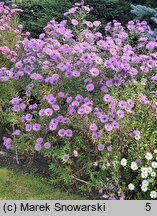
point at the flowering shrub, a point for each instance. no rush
(88, 102)
(10, 49)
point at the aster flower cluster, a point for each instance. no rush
(10, 33)
(86, 98)
(145, 172)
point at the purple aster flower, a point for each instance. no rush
(143, 99)
(37, 147)
(74, 22)
(61, 95)
(107, 98)
(28, 117)
(122, 197)
(36, 127)
(112, 198)
(28, 127)
(104, 89)
(23, 118)
(138, 161)
(7, 142)
(99, 134)
(28, 93)
(60, 118)
(39, 140)
(103, 118)
(30, 86)
(41, 112)
(61, 132)
(117, 81)
(81, 111)
(51, 99)
(35, 106)
(115, 125)
(47, 145)
(136, 132)
(69, 99)
(87, 109)
(154, 79)
(55, 107)
(16, 133)
(94, 136)
(16, 108)
(79, 98)
(75, 104)
(94, 72)
(52, 126)
(93, 127)
(90, 87)
(30, 107)
(130, 103)
(48, 112)
(109, 148)
(110, 188)
(23, 106)
(108, 127)
(120, 114)
(101, 147)
(15, 101)
(69, 133)
(122, 104)
(72, 111)
(109, 83)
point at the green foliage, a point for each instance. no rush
(107, 10)
(37, 13)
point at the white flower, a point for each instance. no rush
(144, 175)
(153, 194)
(131, 186)
(148, 156)
(155, 151)
(153, 174)
(156, 158)
(123, 162)
(154, 164)
(145, 183)
(149, 169)
(144, 170)
(134, 166)
(143, 81)
(137, 137)
(144, 188)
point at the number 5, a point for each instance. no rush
(148, 207)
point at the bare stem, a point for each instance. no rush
(17, 158)
(80, 180)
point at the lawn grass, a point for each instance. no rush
(19, 186)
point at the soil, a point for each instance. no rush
(37, 167)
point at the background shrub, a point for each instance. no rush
(38, 13)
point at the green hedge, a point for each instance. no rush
(37, 13)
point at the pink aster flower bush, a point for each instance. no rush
(88, 102)
(11, 37)
(10, 34)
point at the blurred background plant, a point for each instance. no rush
(37, 13)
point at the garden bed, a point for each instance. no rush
(8, 160)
